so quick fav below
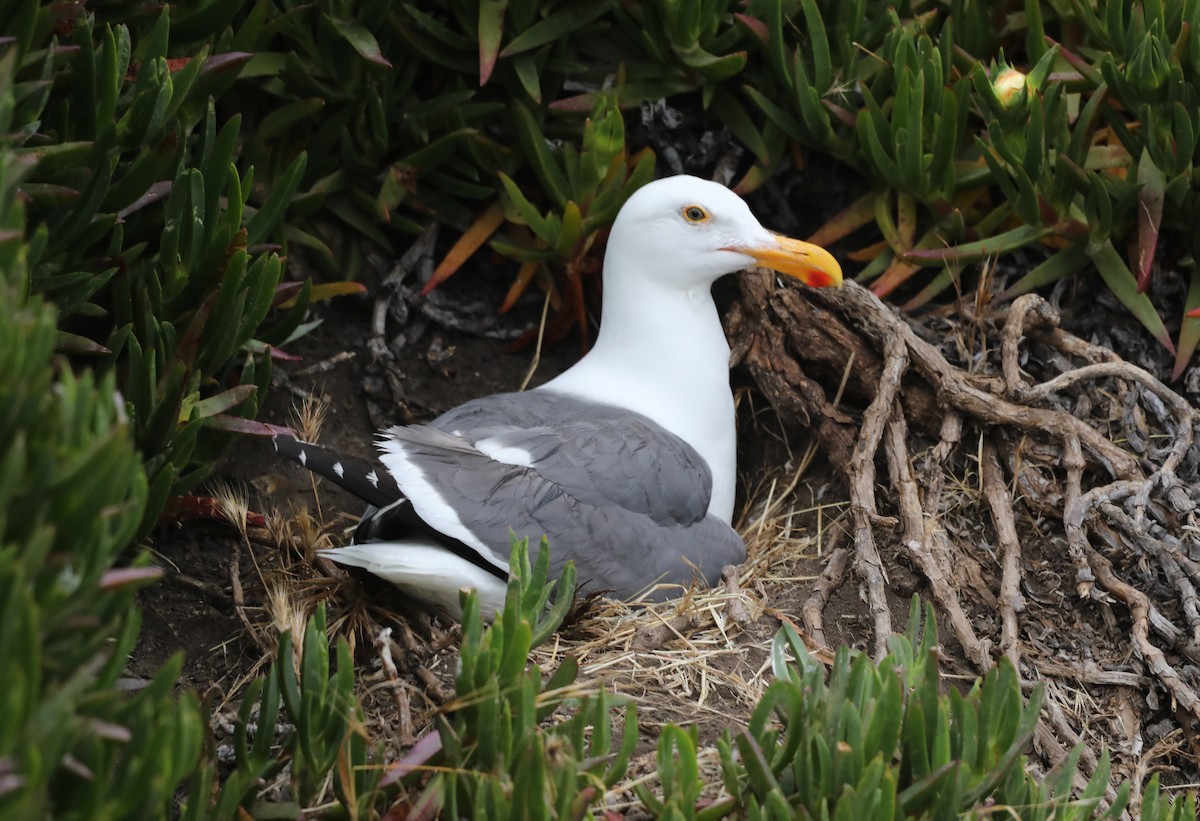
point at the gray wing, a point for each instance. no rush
(598, 454)
(596, 496)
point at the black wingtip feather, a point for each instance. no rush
(369, 481)
(394, 517)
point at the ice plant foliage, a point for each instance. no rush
(142, 229)
(73, 743)
(1070, 126)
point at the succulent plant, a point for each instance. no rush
(1088, 150)
(861, 740)
(73, 744)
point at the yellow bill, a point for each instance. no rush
(811, 264)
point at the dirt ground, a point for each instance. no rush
(684, 667)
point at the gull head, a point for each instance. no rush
(687, 232)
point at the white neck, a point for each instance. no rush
(661, 352)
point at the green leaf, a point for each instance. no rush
(271, 212)
(529, 75)
(710, 66)
(203, 21)
(360, 39)
(284, 118)
(491, 28)
(1189, 331)
(777, 115)
(878, 155)
(77, 345)
(1124, 287)
(539, 154)
(556, 26)
(219, 403)
(163, 412)
(818, 46)
(980, 249)
(1149, 217)
(1066, 262)
(525, 209)
(734, 117)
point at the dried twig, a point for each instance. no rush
(916, 541)
(1139, 608)
(1000, 503)
(812, 613)
(433, 685)
(239, 598)
(863, 509)
(956, 389)
(933, 471)
(383, 646)
(1090, 674)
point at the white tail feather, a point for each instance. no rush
(425, 571)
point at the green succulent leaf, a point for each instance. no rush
(1122, 283)
(360, 39)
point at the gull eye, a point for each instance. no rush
(694, 213)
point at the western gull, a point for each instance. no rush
(626, 462)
